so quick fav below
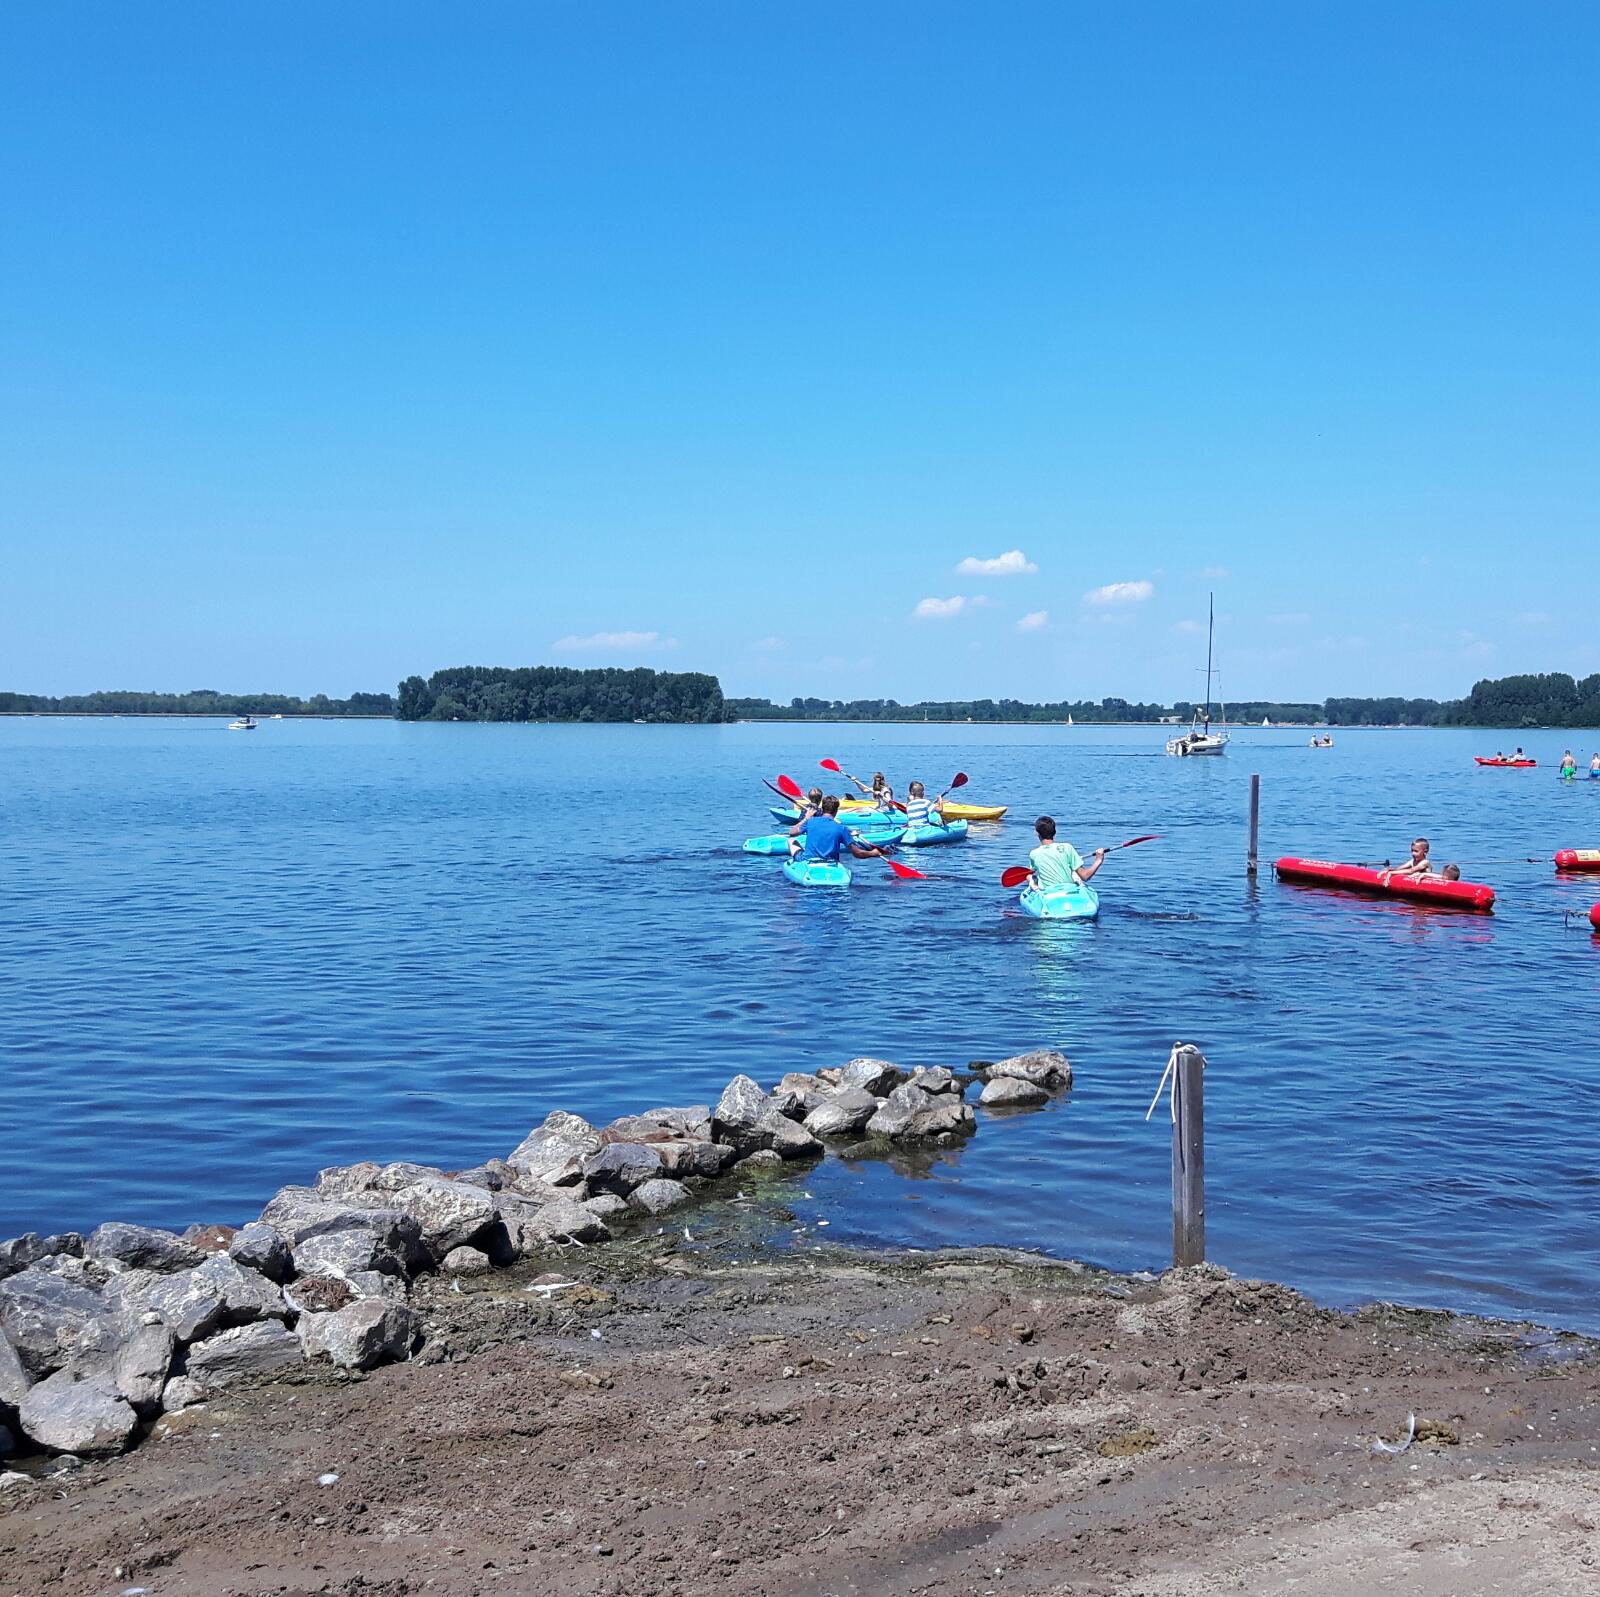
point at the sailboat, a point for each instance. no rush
(1200, 739)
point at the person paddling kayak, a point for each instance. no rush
(1058, 865)
(920, 809)
(880, 792)
(823, 838)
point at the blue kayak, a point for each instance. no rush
(923, 836)
(1061, 903)
(850, 817)
(817, 872)
(871, 836)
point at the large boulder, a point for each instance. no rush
(42, 1313)
(209, 1297)
(656, 1197)
(531, 1227)
(243, 1350)
(449, 1213)
(135, 1351)
(843, 1112)
(364, 1335)
(14, 1376)
(693, 1157)
(212, 1238)
(18, 1253)
(798, 1094)
(343, 1253)
(1044, 1067)
(909, 1112)
(261, 1247)
(620, 1167)
(82, 1416)
(554, 1152)
(1012, 1092)
(141, 1247)
(876, 1076)
(748, 1121)
(298, 1213)
(246, 1295)
(691, 1121)
(935, 1079)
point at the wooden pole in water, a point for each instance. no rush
(1189, 1157)
(1255, 824)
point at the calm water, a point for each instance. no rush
(230, 959)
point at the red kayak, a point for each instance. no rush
(1517, 765)
(1578, 859)
(1358, 879)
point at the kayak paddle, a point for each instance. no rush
(904, 872)
(1016, 875)
(834, 766)
(790, 788)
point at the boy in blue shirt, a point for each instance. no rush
(824, 838)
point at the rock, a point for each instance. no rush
(761, 1159)
(935, 1079)
(42, 1313)
(246, 1295)
(346, 1180)
(621, 1166)
(694, 1157)
(244, 1350)
(1044, 1067)
(798, 1094)
(77, 1416)
(298, 1212)
(876, 1076)
(466, 1261)
(181, 1391)
(134, 1351)
(21, 1252)
(142, 1247)
(345, 1252)
(8, 1445)
(747, 1120)
(493, 1175)
(605, 1205)
(842, 1112)
(561, 1221)
(1012, 1092)
(693, 1121)
(319, 1294)
(14, 1376)
(260, 1247)
(374, 1284)
(210, 1238)
(656, 1197)
(909, 1112)
(189, 1305)
(450, 1213)
(361, 1336)
(554, 1152)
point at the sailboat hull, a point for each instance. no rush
(1202, 743)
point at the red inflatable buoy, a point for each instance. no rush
(1594, 917)
(1358, 879)
(1578, 859)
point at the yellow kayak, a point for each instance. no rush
(953, 811)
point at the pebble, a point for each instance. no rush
(330, 1479)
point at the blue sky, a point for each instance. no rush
(338, 342)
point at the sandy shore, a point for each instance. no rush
(744, 1411)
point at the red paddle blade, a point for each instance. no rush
(789, 788)
(831, 765)
(1014, 876)
(958, 780)
(1149, 837)
(905, 872)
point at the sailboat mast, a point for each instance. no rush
(1211, 622)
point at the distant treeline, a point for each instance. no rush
(202, 701)
(558, 693)
(1554, 700)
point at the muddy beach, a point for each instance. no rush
(728, 1404)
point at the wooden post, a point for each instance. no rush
(1255, 823)
(1189, 1157)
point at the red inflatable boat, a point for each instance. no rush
(1358, 879)
(1594, 917)
(1578, 859)
(1517, 765)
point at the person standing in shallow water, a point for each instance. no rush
(1058, 866)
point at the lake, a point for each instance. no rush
(231, 959)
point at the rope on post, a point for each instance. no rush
(1186, 1073)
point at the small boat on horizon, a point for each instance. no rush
(1200, 739)
(245, 723)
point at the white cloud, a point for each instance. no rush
(1120, 593)
(1013, 563)
(598, 642)
(1534, 618)
(941, 609)
(768, 645)
(1189, 626)
(1034, 621)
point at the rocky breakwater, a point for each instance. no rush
(101, 1335)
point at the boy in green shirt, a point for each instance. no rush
(1059, 865)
